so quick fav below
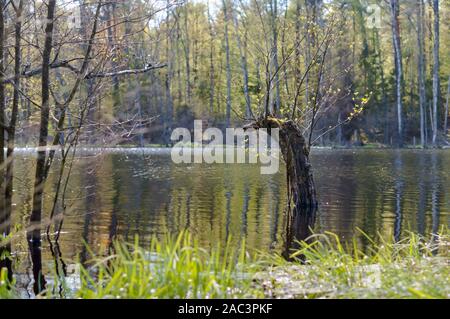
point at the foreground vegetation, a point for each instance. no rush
(411, 268)
(323, 267)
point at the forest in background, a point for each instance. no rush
(354, 71)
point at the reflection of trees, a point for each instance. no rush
(435, 185)
(275, 216)
(244, 215)
(155, 196)
(90, 208)
(226, 201)
(335, 180)
(398, 188)
(39, 283)
(298, 228)
(422, 200)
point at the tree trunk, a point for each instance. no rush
(169, 100)
(14, 110)
(302, 200)
(228, 66)
(179, 40)
(34, 233)
(283, 53)
(421, 70)
(446, 116)
(248, 107)
(383, 88)
(45, 111)
(211, 63)
(91, 110)
(110, 17)
(4, 216)
(274, 16)
(435, 70)
(394, 5)
(140, 131)
(187, 56)
(298, 38)
(307, 47)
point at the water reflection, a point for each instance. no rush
(398, 165)
(298, 228)
(39, 282)
(435, 192)
(124, 194)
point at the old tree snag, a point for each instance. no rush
(302, 199)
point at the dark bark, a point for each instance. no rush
(298, 37)
(14, 111)
(2, 110)
(15, 105)
(446, 115)
(35, 218)
(5, 249)
(34, 232)
(302, 199)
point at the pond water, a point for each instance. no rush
(127, 192)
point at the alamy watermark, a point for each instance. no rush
(239, 146)
(372, 14)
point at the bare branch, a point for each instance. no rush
(125, 72)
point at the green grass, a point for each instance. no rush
(411, 268)
(7, 290)
(177, 267)
(171, 268)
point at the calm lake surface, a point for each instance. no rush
(128, 192)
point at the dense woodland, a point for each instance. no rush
(127, 72)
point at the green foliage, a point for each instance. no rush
(410, 268)
(323, 267)
(7, 290)
(171, 268)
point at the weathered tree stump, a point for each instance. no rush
(302, 199)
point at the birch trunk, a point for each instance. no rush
(446, 109)
(274, 16)
(435, 70)
(243, 58)
(421, 70)
(168, 79)
(211, 63)
(187, 56)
